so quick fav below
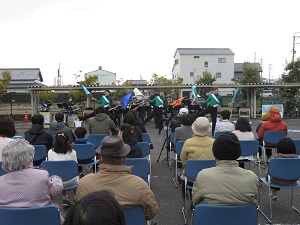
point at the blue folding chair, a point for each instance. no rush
(146, 137)
(135, 216)
(192, 168)
(249, 148)
(225, 215)
(285, 169)
(140, 168)
(18, 137)
(297, 144)
(40, 153)
(96, 139)
(65, 169)
(46, 215)
(178, 149)
(145, 147)
(53, 138)
(86, 155)
(218, 133)
(271, 137)
(2, 172)
(171, 147)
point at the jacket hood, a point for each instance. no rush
(57, 126)
(36, 129)
(275, 117)
(101, 117)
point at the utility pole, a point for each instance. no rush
(261, 73)
(270, 67)
(254, 57)
(294, 46)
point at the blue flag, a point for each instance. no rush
(194, 91)
(126, 100)
(238, 95)
(86, 90)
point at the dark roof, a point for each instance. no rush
(24, 74)
(238, 67)
(204, 51)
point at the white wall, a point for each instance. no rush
(104, 77)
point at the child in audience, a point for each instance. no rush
(62, 150)
(285, 149)
(80, 135)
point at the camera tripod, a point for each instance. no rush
(166, 143)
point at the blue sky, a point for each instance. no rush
(134, 37)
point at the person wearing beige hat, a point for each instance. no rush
(129, 190)
(200, 145)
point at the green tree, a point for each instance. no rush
(80, 95)
(206, 78)
(163, 81)
(4, 81)
(250, 74)
(292, 72)
(48, 95)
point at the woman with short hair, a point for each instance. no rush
(7, 131)
(24, 186)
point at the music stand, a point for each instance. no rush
(59, 105)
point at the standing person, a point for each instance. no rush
(62, 150)
(106, 101)
(129, 190)
(69, 105)
(37, 135)
(7, 131)
(213, 101)
(160, 104)
(226, 183)
(61, 126)
(274, 123)
(153, 106)
(24, 186)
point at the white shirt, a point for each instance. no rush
(224, 125)
(53, 156)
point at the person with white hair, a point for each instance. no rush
(22, 185)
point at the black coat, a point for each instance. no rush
(44, 137)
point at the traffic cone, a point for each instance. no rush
(26, 117)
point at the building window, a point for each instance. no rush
(176, 61)
(191, 74)
(206, 64)
(218, 75)
(221, 60)
(196, 56)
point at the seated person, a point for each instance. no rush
(227, 183)
(80, 135)
(126, 132)
(96, 208)
(61, 126)
(285, 149)
(7, 131)
(130, 119)
(224, 124)
(176, 122)
(24, 186)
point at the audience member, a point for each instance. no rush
(227, 183)
(62, 150)
(264, 117)
(101, 123)
(185, 131)
(137, 121)
(274, 123)
(37, 135)
(96, 208)
(80, 135)
(61, 126)
(130, 119)
(285, 149)
(224, 124)
(126, 132)
(177, 121)
(128, 189)
(7, 131)
(24, 186)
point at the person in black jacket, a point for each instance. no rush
(37, 135)
(126, 132)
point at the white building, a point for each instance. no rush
(189, 63)
(104, 77)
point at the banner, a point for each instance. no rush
(86, 90)
(126, 100)
(137, 92)
(194, 91)
(177, 102)
(238, 95)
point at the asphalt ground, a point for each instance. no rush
(169, 198)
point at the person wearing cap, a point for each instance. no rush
(160, 104)
(226, 183)
(106, 101)
(214, 100)
(274, 123)
(129, 190)
(101, 123)
(176, 122)
(200, 145)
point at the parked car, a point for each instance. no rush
(266, 93)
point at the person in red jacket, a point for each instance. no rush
(274, 123)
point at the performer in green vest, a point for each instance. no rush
(160, 104)
(106, 101)
(213, 101)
